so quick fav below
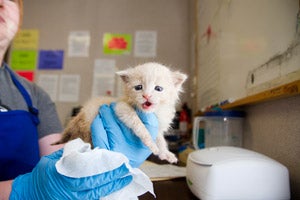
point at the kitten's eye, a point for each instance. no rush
(158, 88)
(138, 87)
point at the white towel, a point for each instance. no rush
(79, 160)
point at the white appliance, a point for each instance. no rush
(234, 173)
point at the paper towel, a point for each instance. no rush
(79, 160)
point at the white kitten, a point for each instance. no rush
(150, 87)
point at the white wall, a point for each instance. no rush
(245, 35)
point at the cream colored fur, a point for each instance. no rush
(160, 88)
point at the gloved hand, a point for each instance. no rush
(44, 182)
(108, 132)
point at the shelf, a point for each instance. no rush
(286, 90)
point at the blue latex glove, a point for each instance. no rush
(108, 132)
(44, 182)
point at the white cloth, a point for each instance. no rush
(79, 160)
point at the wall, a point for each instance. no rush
(55, 19)
(273, 128)
(240, 50)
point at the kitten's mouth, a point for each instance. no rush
(146, 105)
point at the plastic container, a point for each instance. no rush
(233, 173)
(218, 128)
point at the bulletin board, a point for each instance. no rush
(245, 48)
(77, 46)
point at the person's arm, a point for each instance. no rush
(50, 127)
(5, 189)
(45, 149)
(45, 144)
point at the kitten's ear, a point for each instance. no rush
(179, 79)
(124, 75)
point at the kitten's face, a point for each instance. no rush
(151, 86)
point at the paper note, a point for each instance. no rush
(145, 44)
(79, 44)
(69, 88)
(103, 86)
(51, 59)
(26, 39)
(29, 75)
(116, 43)
(49, 83)
(23, 59)
(104, 77)
(158, 172)
(105, 66)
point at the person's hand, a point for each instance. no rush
(108, 132)
(44, 182)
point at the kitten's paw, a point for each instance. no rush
(169, 156)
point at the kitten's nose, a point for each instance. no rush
(146, 96)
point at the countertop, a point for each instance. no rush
(174, 189)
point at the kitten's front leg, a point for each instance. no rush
(129, 117)
(164, 153)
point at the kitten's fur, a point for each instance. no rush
(151, 87)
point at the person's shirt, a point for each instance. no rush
(11, 97)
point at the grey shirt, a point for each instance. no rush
(10, 96)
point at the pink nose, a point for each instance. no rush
(146, 96)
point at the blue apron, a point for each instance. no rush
(19, 149)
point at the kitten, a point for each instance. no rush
(150, 87)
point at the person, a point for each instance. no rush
(30, 124)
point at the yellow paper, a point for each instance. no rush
(26, 39)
